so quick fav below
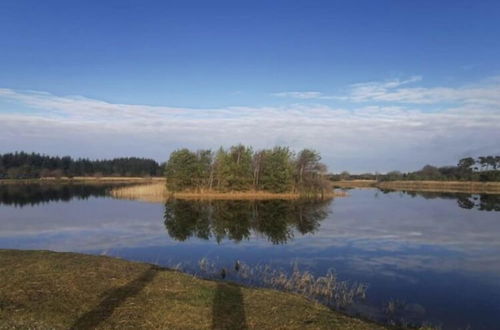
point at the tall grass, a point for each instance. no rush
(327, 289)
(153, 192)
(157, 192)
(443, 186)
(355, 183)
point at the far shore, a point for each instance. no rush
(471, 187)
(84, 180)
(153, 189)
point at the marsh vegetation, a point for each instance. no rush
(326, 289)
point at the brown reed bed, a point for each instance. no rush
(157, 192)
(151, 192)
(354, 183)
(471, 187)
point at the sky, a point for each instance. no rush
(372, 85)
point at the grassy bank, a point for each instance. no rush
(42, 290)
(157, 192)
(471, 187)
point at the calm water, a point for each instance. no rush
(437, 255)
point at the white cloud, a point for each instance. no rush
(300, 95)
(371, 137)
(390, 91)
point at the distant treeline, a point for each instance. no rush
(21, 165)
(484, 168)
(240, 168)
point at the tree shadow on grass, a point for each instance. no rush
(228, 311)
(115, 298)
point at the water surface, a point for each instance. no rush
(436, 257)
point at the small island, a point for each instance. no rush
(239, 171)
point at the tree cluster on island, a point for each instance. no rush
(22, 165)
(483, 168)
(240, 168)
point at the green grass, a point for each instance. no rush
(50, 290)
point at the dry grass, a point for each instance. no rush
(239, 195)
(326, 289)
(49, 290)
(470, 187)
(152, 192)
(157, 193)
(354, 183)
(116, 178)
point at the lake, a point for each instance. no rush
(425, 257)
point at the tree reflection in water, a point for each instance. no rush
(237, 219)
(481, 202)
(32, 194)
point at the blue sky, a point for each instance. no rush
(373, 85)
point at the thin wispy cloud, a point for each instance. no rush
(391, 91)
(396, 91)
(300, 95)
(305, 95)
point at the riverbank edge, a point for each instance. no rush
(157, 192)
(470, 187)
(62, 290)
(154, 190)
(83, 180)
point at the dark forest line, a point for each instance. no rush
(238, 168)
(22, 165)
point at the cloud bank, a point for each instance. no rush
(387, 126)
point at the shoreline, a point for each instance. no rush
(154, 189)
(157, 192)
(83, 180)
(44, 289)
(470, 187)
